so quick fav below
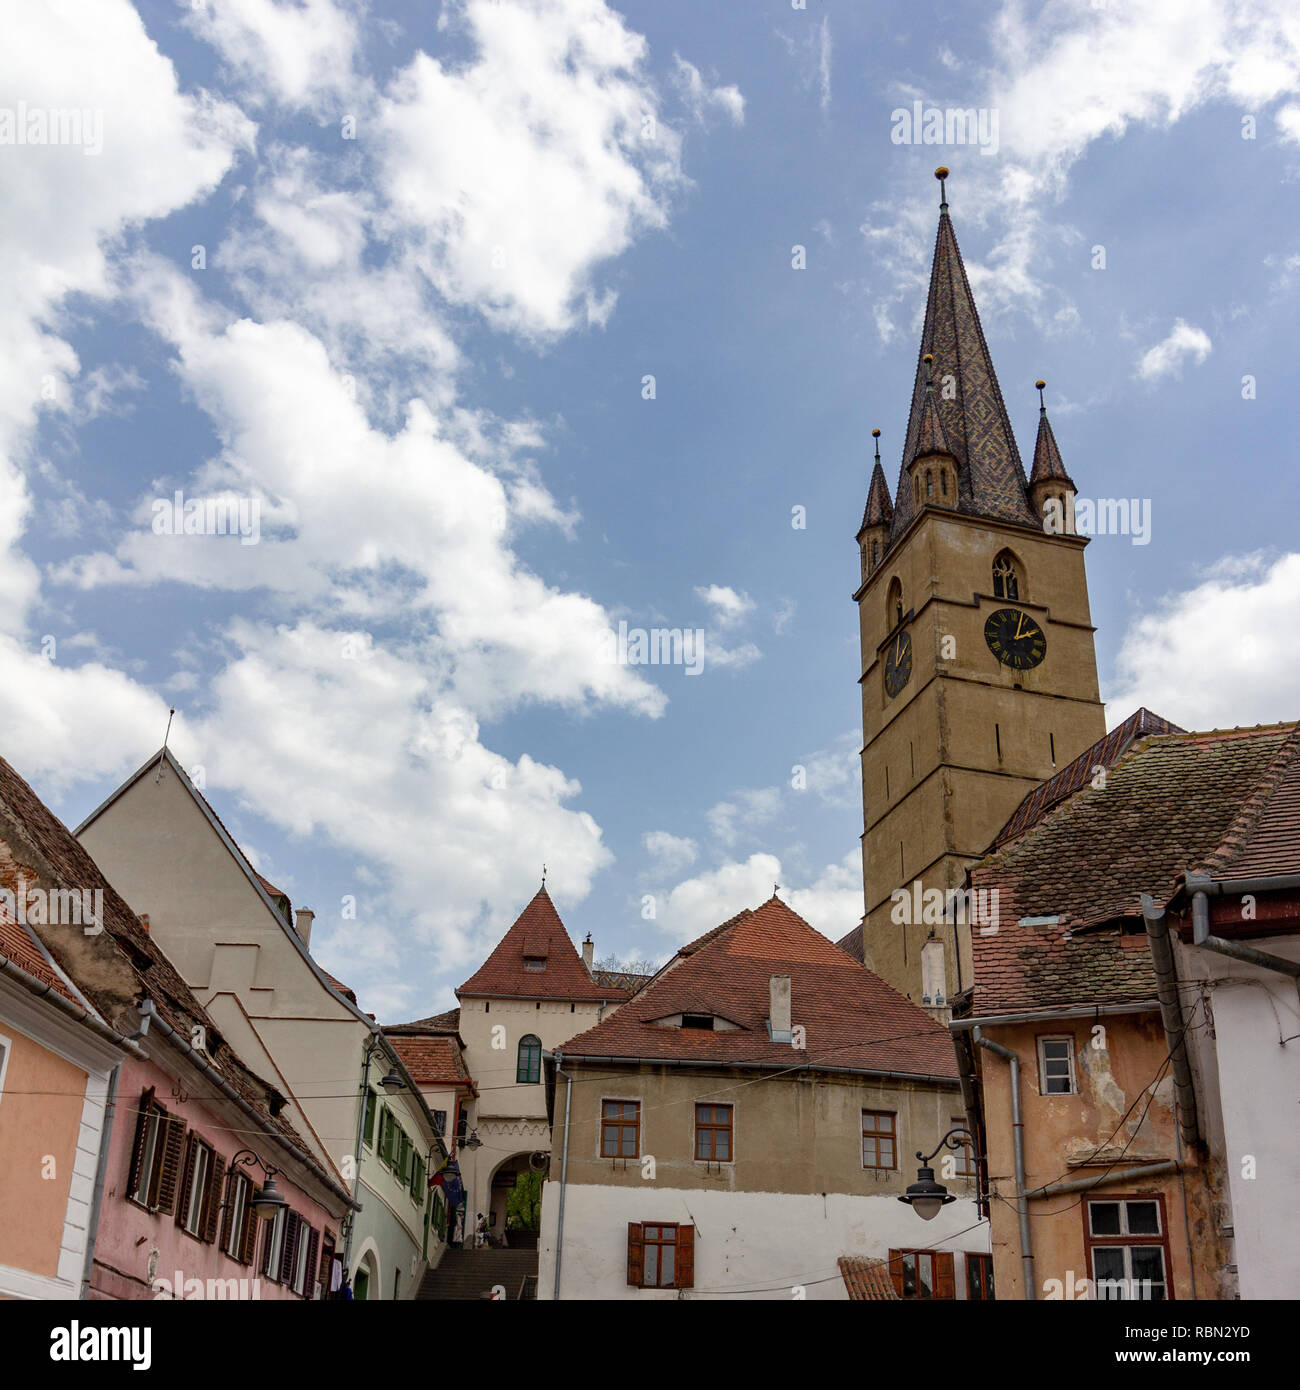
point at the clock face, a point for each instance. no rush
(898, 664)
(1015, 638)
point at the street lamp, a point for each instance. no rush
(270, 1199)
(392, 1082)
(925, 1196)
(473, 1142)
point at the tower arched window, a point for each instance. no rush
(929, 484)
(894, 604)
(875, 552)
(943, 481)
(916, 491)
(1007, 579)
(529, 1066)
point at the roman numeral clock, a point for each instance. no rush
(1015, 638)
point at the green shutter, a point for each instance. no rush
(369, 1124)
(385, 1136)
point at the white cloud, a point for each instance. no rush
(670, 853)
(699, 96)
(728, 606)
(750, 809)
(1183, 343)
(1239, 620)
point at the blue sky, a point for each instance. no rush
(440, 256)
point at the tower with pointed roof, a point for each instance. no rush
(979, 677)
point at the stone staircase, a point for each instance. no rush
(465, 1275)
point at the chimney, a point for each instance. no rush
(303, 925)
(934, 983)
(779, 1008)
(588, 951)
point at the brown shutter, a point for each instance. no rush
(228, 1213)
(187, 1181)
(684, 1266)
(169, 1178)
(896, 1271)
(137, 1149)
(326, 1271)
(289, 1250)
(945, 1285)
(248, 1240)
(212, 1202)
(635, 1254)
(313, 1254)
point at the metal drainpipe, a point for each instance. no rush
(1203, 888)
(356, 1180)
(1171, 1015)
(564, 1169)
(1018, 1136)
(101, 1169)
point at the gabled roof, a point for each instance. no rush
(537, 933)
(851, 943)
(1071, 882)
(852, 1019)
(430, 1058)
(114, 968)
(1047, 457)
(448, 1022)
(867, 1281)
(971, 416)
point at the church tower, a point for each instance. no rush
(979, 678)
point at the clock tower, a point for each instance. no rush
(979, 678)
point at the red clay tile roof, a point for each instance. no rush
(537, 932)
(18, 945)
(1106, 752)
(851, 944)
(866, 1280)
(620, 981)
(338, 985)
(448, 1022)
(852, 1018)
(1047, 457)
(271, 890)
(429, 1059)
(123, 962)
(1265, 838)
(1164, 810)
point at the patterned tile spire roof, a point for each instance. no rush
(879, 510)
(968, 402)
(1047, 457)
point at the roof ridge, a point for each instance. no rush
(1255, 805)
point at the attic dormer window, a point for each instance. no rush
(704, 1021)
(534, 962)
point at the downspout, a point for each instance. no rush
(1203, 888)
(101, 1169)
(564, 1168)
(1171, 1015)
(1018, 1137)
(356, 1163)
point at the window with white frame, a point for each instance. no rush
(196, 1195)
(1127, 1248)
(1056, 1066)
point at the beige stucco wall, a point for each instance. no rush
(949, 790)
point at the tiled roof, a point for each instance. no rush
(448, 1022)
(930, 438)
(429, 1059)
(123, 962)
(852, 943)
(1105, 753)
(879, 510)
(1264, 840)
(972, 416)
(346, 991)
(1163, 810)
(852, 1018)
(539, 933)
(271, 890)
(1047, 457)
(19, 946)
(866, 1280)
(621, 981)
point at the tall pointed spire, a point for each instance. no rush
(965, 404)
(1047, 457)
(880, 509)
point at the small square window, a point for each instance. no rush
(1056, 1066)
(535, 963)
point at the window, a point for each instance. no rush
(1006, 576)
(704, 1021)
(306, 1247)
(419, 1187)
(922, 1274)
(387, 1136)
(963, 1159)
(535, 963)
(1127, 1247)
(916, 491)
(462, 1125)
(929, 484)
(368, 1128)
(878, 1135)
(894, 604)
(713, 1133)
(1056, 1066)
(195, 1195)
(620, 1129)
(240, 1219)
(273, 1245)
(440, 1123)
(405, 1156)
(156, 1156)
(943, 481)
(529, 1067)
(660, 1257)
(979, 1277)
(875, 551)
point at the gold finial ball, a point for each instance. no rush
(1039, 384)
(928, 358)
(941, 172)
(875, 434)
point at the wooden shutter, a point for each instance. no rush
(187, 1180)
(684, 1266)
(896, 1271)
(325, 1271)
(212, 1202)
(944, 1282)
(370, 1118)
(228, 1213)
(248, 1239)
(313, 1255)
(173, 1149)
(137, 1149)
(289, 1250)
(635, 1254)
